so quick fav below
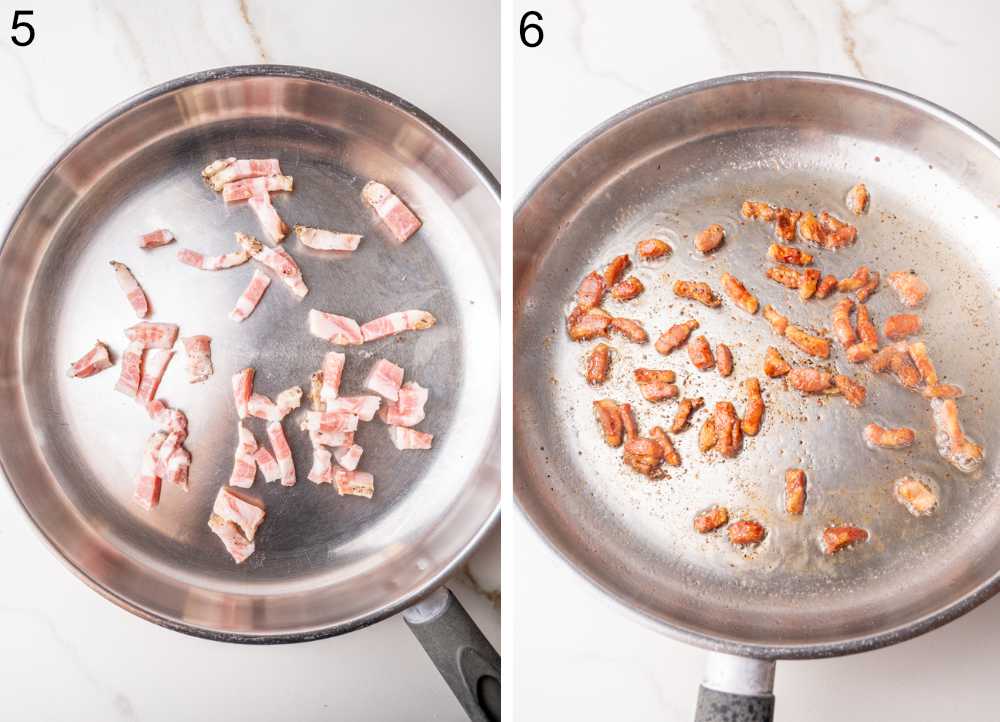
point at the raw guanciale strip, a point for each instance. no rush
(404, 438)
(242, 512)
(857, 199)
(333, 370)
(278, 260)
(826, 231)
(94, 361)
(133, 291)
(336, 329)
(348, 456)
(909, 287)
(178, 466)
(750, 424)
(675, 336)
(609, 417)
(244, 463)
(198, 350)
(775, 365)
(407, 410)
(888, 438)
(584, 324)
(709, 239)
(323, 240)
(321, 471)
(354, 483)
(262, 407)
(656, 384)
(157, 238)
(812, 345)
(836, 538)
(248, 300)
(236, 544)
(697, 291)
(795, 491)
(401, 221)
(735, 289)
(651, 249)
(952, 443)
(746, 533)
(153, 335)
(131, 370)
(385, 379)
(147, 486)
(684, 410)
(243, 189)
(270, 222)
(598, 361)
(212, 263)
(393, 323)
(282, 453)
(242, 390)
(711, 519)
(227, 170)
(330, 422)
(268, 464)
(918, 498)
(154, 365)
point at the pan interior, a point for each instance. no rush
(323, 562)
(667, 170)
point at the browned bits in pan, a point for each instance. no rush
(735, 289)
(610, 418)
(746, 532)
(857, 199)
(841, 321)
(697, 291)
(901, 325)
(630, 329)
(670, 455)
(645, 456)
(627, 289)
(887, 438)
(922, 360)
(614, 270)
(586, 324)
(827, 286)
(836, 538)
(850, 389)
(656, 384)
(723, 359)
(728, 434)
(758, 211)
(597, 364)
(869, 288)
(775, 365)
(700, 353)
(855, 281)
(750, 424)
(785, 275)
(866, 329)
(778, 322)
(706, 436)
(795, 491)
(918, 498)
(651, 248)
(826, 231)
(684, 410)
(711, 519)
(809, 283)
(675, 336)
(789, 254)
(812, 345)
(710, 238)
(909, 287)
(810, 380)
(591, 290)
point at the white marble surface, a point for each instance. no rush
(65, 653)
(577, 656)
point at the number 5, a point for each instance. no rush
(526, 26)
(18, 24)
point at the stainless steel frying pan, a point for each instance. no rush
(70, 448)
(667, 168)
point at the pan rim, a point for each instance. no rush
(719, 643)
(460, 149)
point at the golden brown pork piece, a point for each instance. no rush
(700, 353)
(859, 352)
(869, 288)
(775, 365)
(826, 286)
(645, 456)
(630, 329)
(697, 291)
(656, 384)
(711, 519)
(628, 422)
(778, 322)
(750, 424)
(901, 325)
(609, 417)
(614, 270)
(591, 290)
(810, 380)
(850, 389)
(856, 280)
(812, 345)
(841, 321)
(651, 248)
(670, 455)
(735, 289)
(896, 360)
(706, 436)
(746, 532)
(888, 438)
(785, 275)
(836, 538)
(922, 360)
(785, 220)
(728, 434)
(758, 211)
(809, 283)
(585, 324)
(597, 364)
(943, 391)
(789, 254)
(627, 289)
(909, 287)
(675, 336)
(866, 328)
(826, 231)
(710, 238)
(953, 445)
(918, 498)
(723, 359)
(857, 199)
(795, 491)
(684, 410)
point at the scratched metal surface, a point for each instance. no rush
(71, 448)
(667, 169)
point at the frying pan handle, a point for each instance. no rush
(736, 689)
(463, 656)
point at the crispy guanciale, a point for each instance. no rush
(614, 270)
(627, 289)
(684, 410)
(850, 389)
(750, 424)
(697, 291)
(901, 325)
(700, 353)
(706, 436)
(869, 288)
(735, 289)
(609, 417)
(670, 455)
(758, 211)
(728, 432)
(826, 231)
(723, 359)
(922, 360)
(784, 219)
(827, 286)
(866, 328)
(918, 498)
(888, 438)
(598, 361)
(810, 380)
(675, 336)
(836, 538)
(710, 238)
(645, 456)
(809, 283)
(909, 287)
(789, 254)
(860, 351)
(856, 280)
(775, 365)
(857, 199)
(841, 321)
(584, 324)
(785, 275)
(896, 360)
(628, 422)
(652, 248)
(942, 391)
(746, 532)
(812, 345)
(711, 519)
(630, 329)
(778, 322)
(591, 290)
(656, 384)
(795, 491)
(953, 445)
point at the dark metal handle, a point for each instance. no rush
(716, 706)
(736, 689)
(464, 657)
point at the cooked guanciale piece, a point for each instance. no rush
(584, 324)
(670, 455)
(758, 211)
(656, 384)
(953, 445)
(869, 288)
(711, 519)
(746, 532)
(700, 353)
(735, 289)
(855, 281)
(841, 320)
(684, 410)
(859, 352)
(826, 231)
(850, 389)
(710, 238)
(922, 360)
(836, 538)
(675, 336)
(651, 248)
(789, 254)
(591, 290)
(857, 199)
(784, 219)
(628, 422)
(723, 359)
(918, 498)
(785, 275)
(778, 322)
(706, 436)
(728, 433)
(609, 417)
(630, 329)
(810, 380)
(812, 345)
(614, 270)
(597, 364)
(901, 325)
(942, 391)
(827, 286)
(896, 359)
(645, 456)
(866, 328)
(775, 365)
(795, 491)
(809, 283)
(627, 289)
(888, 438)
(697, 291)
(909, 287)
(750, 424)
